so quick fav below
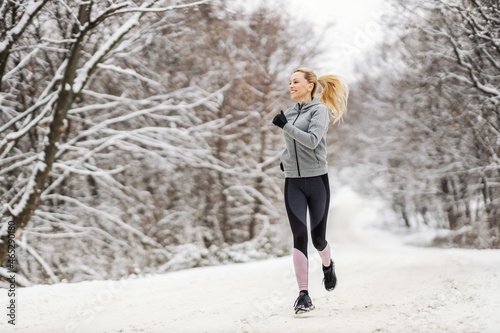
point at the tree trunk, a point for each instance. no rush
(34, 190)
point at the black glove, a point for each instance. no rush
(280, 119)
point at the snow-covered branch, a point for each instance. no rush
(90, 66)
(161, 10)
(490, 90)
(117, 136)
(128, 72)
(13, 34)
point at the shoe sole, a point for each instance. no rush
(303, 310)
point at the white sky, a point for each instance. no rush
(356, 29)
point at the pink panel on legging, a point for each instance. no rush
(325, 255)
(301, 265)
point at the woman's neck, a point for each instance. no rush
(307, 99)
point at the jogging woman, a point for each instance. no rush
(306, 170)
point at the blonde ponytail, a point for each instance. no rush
(334, 95)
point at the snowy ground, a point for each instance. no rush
(384, 286)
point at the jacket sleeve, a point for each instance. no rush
(317, 128)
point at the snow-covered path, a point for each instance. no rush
(383, 287)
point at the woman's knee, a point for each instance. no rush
(319, 243)
(300, 241)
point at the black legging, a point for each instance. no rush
(301, 194)
(312, 193)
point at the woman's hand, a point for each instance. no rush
(280, 119)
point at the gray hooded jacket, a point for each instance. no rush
(305, 138)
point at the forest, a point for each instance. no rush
(136, 136)
(426, 125)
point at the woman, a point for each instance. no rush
(306, 171)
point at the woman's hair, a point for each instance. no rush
(335, 91)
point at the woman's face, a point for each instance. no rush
(300, 89)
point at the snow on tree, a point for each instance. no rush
(432, 117)
(136, 136)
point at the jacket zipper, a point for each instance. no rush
(295, 143)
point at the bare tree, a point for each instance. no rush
(155, 151)
(34, 123)
(433, 110)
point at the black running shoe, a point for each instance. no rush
(303, 302)
(330, 279)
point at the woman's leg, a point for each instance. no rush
(296, 208)
(319, 203)
(318, 190)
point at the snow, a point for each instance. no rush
(128, 71)
(21, 64)
(30, 9)
(384, 285)
(84, 72)
(27, 192)
(144, 9)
